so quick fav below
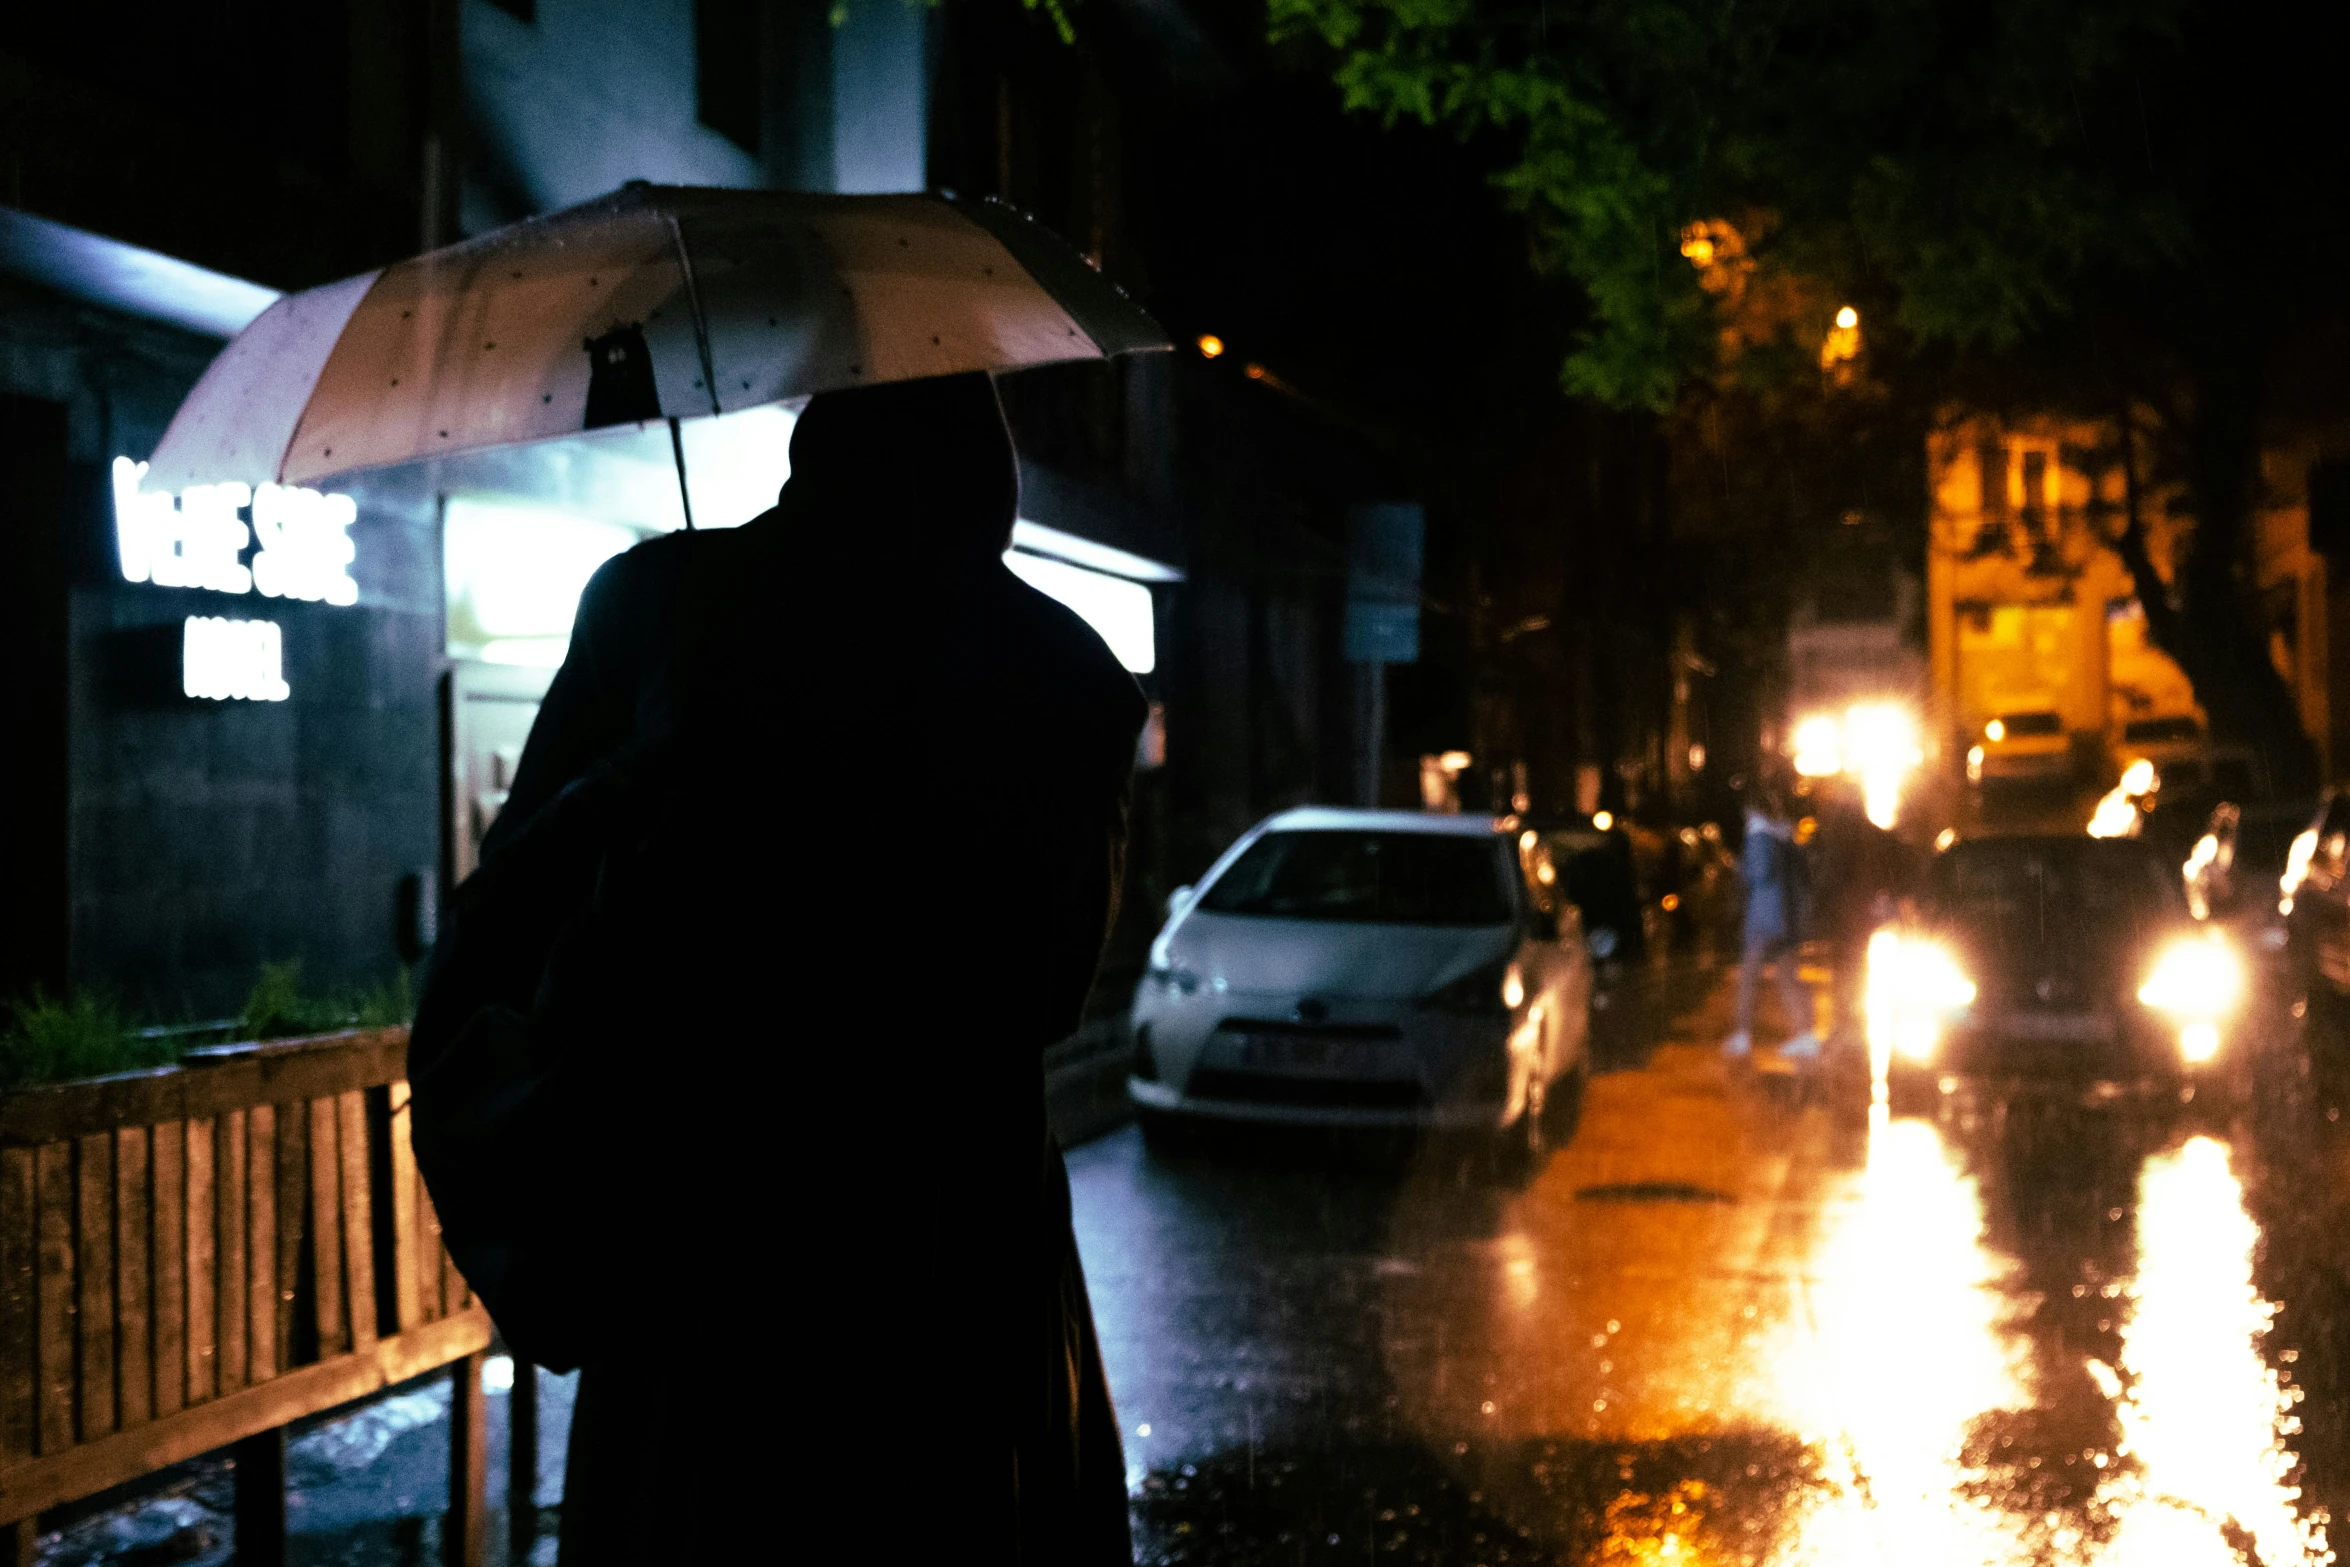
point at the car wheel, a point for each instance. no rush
(1563, 1105)
(1523, 1147)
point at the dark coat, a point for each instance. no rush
(728, 1068)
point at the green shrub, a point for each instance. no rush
(49, 1041)
(278, 1008)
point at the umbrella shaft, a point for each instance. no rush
(685, 496)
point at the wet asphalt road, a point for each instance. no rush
(1742, 1320)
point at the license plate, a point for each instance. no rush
(1309, 1054)
(2090, 1027)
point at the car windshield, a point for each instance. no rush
(2031, 890)
(1384, 878)
(2020, 725)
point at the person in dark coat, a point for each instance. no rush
(728, 1066)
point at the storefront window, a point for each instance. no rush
(515, 572)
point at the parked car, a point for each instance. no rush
(1367, 969)
(2165, 739)
(2314, 897)
(2056, 960)
(2234, 872)
(1594, 866)
(2029, 747)
(2187, 763)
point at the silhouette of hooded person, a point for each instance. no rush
(728, 1079)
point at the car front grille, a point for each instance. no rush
(1316, 1093)
(1254, 1025)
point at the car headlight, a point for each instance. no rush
(1914, 987)
(1181, 980)
(1496, 989)
(1914, 974)
(2199, 978)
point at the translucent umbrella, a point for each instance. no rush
(655, 302)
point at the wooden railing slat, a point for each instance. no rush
(261, 1243)
(407, 1240)
(293, 1183)
(228, 1237)
(133, 1290)
(326, 1232)
(169, 1274)
(358, 1218)
(53, 1327)
(18, 1242)
(203, 1273)
(94, 1267)
(161, 1268)
(429, 1251)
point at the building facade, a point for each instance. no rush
(163, 845)
(2031, 610)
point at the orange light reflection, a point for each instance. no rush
(2202, 1412)
(1903, 1265)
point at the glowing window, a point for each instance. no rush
(514, 575)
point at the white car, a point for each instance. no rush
(1367, 969)
(2021, 748)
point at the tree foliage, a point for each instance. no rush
(1931, 157)
(2099, 207)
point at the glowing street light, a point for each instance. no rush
(1881, 748)
(1842, 344)
(1819, 746)
(1210, 345)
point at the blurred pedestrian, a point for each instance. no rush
(1771, 867)
(728, 1069)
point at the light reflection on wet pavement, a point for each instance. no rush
(1735, 1323)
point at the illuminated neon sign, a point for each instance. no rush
(233, 660)
(198, 538)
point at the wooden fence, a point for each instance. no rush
(192, 1257)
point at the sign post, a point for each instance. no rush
(1385, 543)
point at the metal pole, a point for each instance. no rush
(685, 496)
(522, 1461)
(260, 1461)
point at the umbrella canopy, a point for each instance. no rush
(655, 302)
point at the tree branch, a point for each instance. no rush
(2164, 623)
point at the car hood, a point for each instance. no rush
(1331, 957)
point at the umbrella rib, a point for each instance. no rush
(693, 301)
